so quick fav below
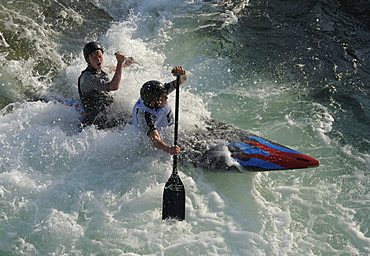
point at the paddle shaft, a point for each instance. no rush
(176, 132)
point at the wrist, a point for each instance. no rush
(168, 149)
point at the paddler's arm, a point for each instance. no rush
(121, 63)
(159, 144)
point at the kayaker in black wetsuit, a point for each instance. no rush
(94, 87)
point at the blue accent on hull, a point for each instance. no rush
(276, 147)
(260, 163)
(249, 149)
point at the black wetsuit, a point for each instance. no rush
(93, 88)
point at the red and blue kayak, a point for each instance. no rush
(223, 147)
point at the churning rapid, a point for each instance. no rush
(295, 72)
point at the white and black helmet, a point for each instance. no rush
(152, 91)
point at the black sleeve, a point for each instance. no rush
(150, 121)
(170, 87)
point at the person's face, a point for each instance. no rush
(96, 59)
(162, 100)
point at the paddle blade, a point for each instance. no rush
(174, 199)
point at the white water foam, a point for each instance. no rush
(100, 192)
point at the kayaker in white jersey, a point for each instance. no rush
(152, 112)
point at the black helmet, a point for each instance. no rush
(151, 91)
(91, 47)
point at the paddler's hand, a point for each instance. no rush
(174, 150)
(120, 57)
(128, 62)
(178, 71)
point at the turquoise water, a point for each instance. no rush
(293, 73)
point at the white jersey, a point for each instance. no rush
(148, 119)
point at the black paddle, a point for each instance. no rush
(174, 190)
